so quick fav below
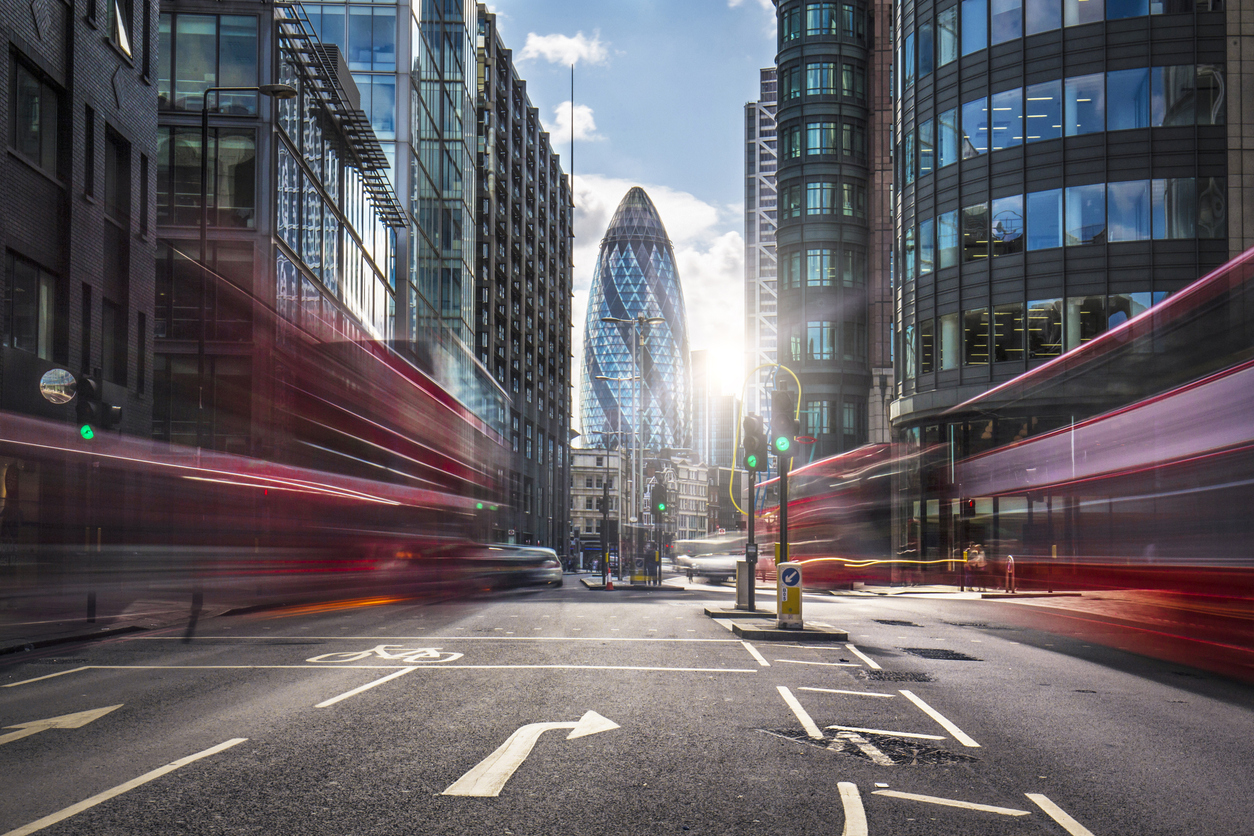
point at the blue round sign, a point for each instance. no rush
(791, 577)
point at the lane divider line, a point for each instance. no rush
(432, 667)
(807, 722)
(855, 815)
(852, 693)
(827, 664)
(366, 687)
(890, 733)
(74, 809)
(1057, 814)
(48, 676)
(951, 802)
(870, 663)
(753, 651)
(957, 733)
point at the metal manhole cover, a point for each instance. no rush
(892, 622)
(940, 653)
(894, 676)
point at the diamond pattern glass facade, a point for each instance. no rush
(635, 274)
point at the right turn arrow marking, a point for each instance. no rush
(65, 721)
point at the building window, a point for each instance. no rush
(1076, 12)
(947, 238)
(201, 51)
(820, 268)
(789, 25)
(821, 19)
(1007, 119)
(974, 128)
(231, 186)
(821, 340)
(1044, 324)
(1128, 211)
(821, 78)
(947, 36)
(927, 148)
(1006, 20)
(1044, 111)
(1128, 94)
(1042, 16)
(927, 346)
(975, 336)
(908, 358)
(817, 417)
(950, 342)
(34, 319)
(909, 253)
(117, 176)
(907, 158)
(36, 108)
(821, 138)
(121, 21)
(790, 142)
(1085, 214)
(975, 232)
(1007, 225)
(113, 346)
(948, 139)
(1044, 219)
(790, 82)
(1084, 98)
(820, 198)
(927, 247)
(1008, 332)
(907, 60)
(975, 25)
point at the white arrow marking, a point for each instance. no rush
(65, 721)
(488, 777)
(951, 802)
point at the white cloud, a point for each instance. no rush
(563, 49)
(585, 125)
(767, 5)
(709, 255)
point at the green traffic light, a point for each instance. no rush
(783, 443)
(479, 506)
(752, 461)
(87, 432)
(661, 506)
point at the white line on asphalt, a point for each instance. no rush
(807, 722)
(48, 676)
(839, 691)
(890, 733)
(1056, 813)
(855, 815)
(866, 746)
(74, 809)
(828, 664)
(424, 667)
(753, 651)
(870, 663)
(958, 733)
(365, 687)
(950, 802)
(279, 640)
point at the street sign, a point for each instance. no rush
(788, 596)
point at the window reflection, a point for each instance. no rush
(1128, 210)
(1044, 328)
(1086, 319)
(1085, 96)
(975, 232)
(927, 149)
(1086, 214)
(1044, 217)
(974, 25)
(950, 342)
(975, 337)
(927, 250)
(1007, 119)
(947, 36)
(1042, 16)
(947, 238)
(1076, 12)
(974, 128)
(1044, 111)
(1006, 20)
(948, 139)
(1007, 225)
(1128, 92)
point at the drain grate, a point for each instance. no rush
(940, 653)
(894, 676)
(892, 622)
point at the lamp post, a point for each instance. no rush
(276, 91)
(637, 322)
(619, 470)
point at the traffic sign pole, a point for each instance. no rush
(788, 591)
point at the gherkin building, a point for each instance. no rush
(636, 280)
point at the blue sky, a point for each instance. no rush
(660, 89)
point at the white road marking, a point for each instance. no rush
(807, 722)
(753, 651)
(279, 640)
(839, 691)
(950, 802)
(855, 815)
(890, 733)
(65, 721)
(487, 778)
(866, 747)
(424, 667)
(870, 663)
(958, 733)
(47, 676)
(74, 809)
(827, 664)
(1057, 814)
(366, 687)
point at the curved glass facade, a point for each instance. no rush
(635, 275)
(1060, 166)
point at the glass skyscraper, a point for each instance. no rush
(635, 275)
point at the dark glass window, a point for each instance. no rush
(789, 25)
(36, 105)
(1173, 95)
(1044, 323)
(821, 340)
(927, 56)
(821, 138)
(790, 142)
(820, 267)
(1008, 332)
(1128, 97)
(1006, 20)
(975, 336)
(232, 175)
(117, 176)
(1128, 210)
(820, 198)
(1116, 9)
(908, 358)
(1174, 208)
(821, 19)
(947, 36)
(974, 26)
(948, 138)
(927, 346)
(1044, 111)
(1076, 12)
(1042, 16)
(975, 232)
(908, 160)
(1044, 216)
(1210, 95)
(947, 238)
(1086, 319)
(1086, 214)
(1007, 119)
(1007, 225)
(908, 254)
(208, 51)
(927, 246)
(34, 316)
(790, 82)
(1085, 97)
(974, 128)
(821, 78)
(927, 148)
(907, 60)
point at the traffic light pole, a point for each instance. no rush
(751, 547)
(783, 509)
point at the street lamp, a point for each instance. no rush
(637, 322)
(275, 91)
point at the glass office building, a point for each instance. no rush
(1061, 167)
(635, 274)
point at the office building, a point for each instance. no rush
(761, 299)
(523, 290)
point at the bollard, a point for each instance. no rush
(788, 596)
(1010, 573)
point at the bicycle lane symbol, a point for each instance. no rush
(409, 655)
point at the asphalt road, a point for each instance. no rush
(939, 716)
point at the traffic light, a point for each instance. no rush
(755, 444)
(658, 497)
(784, 425)
(92, 410)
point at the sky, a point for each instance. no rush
(660, 90)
